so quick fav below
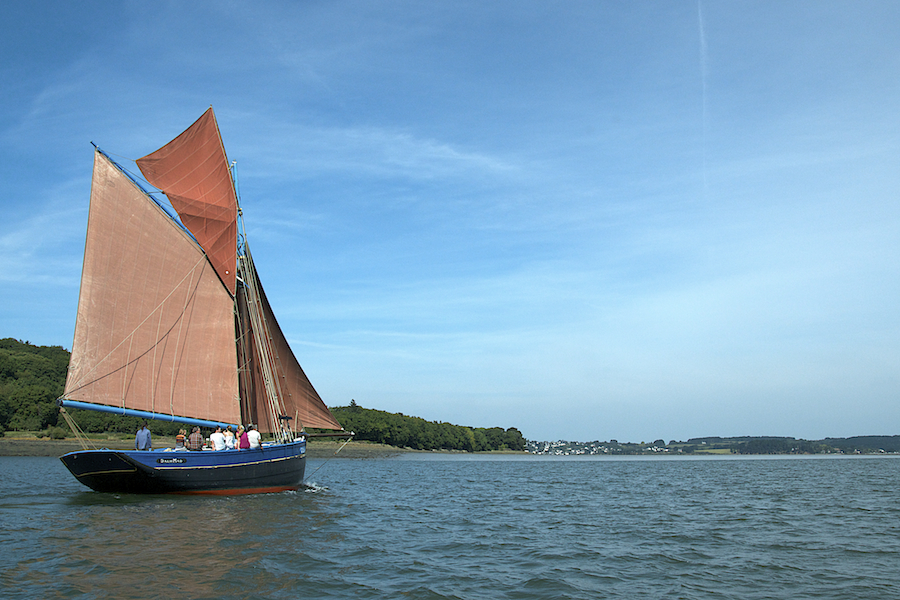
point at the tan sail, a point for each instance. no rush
(193, 172)
(298, 398)
(155, 326)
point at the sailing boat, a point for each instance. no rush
(173, 324)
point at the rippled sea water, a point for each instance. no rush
(452, 526)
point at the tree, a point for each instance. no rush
(514, 440)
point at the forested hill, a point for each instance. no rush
(400, 430)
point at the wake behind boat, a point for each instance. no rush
(173, 324)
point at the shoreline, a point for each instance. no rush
(23, 444)
(33, 446)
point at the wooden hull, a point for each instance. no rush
(273, 468)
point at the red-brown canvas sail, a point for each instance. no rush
(155, 326)
(299, 399)
(193, 172)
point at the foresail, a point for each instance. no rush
(298, 397)
(192, 170)
(155, 326)
(301, 400)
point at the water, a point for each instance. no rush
(450, 526)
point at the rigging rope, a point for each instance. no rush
(267, 355)
(325, 462)
(79, 434)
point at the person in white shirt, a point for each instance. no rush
(217, 439)
(253, 437)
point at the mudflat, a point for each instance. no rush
(323, 449)
(45, 447)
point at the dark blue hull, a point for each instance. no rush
(273, 468)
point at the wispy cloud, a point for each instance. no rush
(42, 246)
(301, 151)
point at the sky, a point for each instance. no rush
(586, 220)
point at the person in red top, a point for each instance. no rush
(244, 440)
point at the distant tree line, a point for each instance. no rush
(718, 445)
(790, 445)
(399, 430)
(781, 446)
(888, 443)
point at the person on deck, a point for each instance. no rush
(142, 439)
(254, 438)
(195, 440)
(217, 439)
(179, 439)
(243, 440)
(229, 438)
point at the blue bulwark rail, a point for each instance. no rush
(128, 412)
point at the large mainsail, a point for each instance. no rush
(155, 326)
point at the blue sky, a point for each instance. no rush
(587, 220)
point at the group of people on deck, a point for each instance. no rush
(244, 439)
